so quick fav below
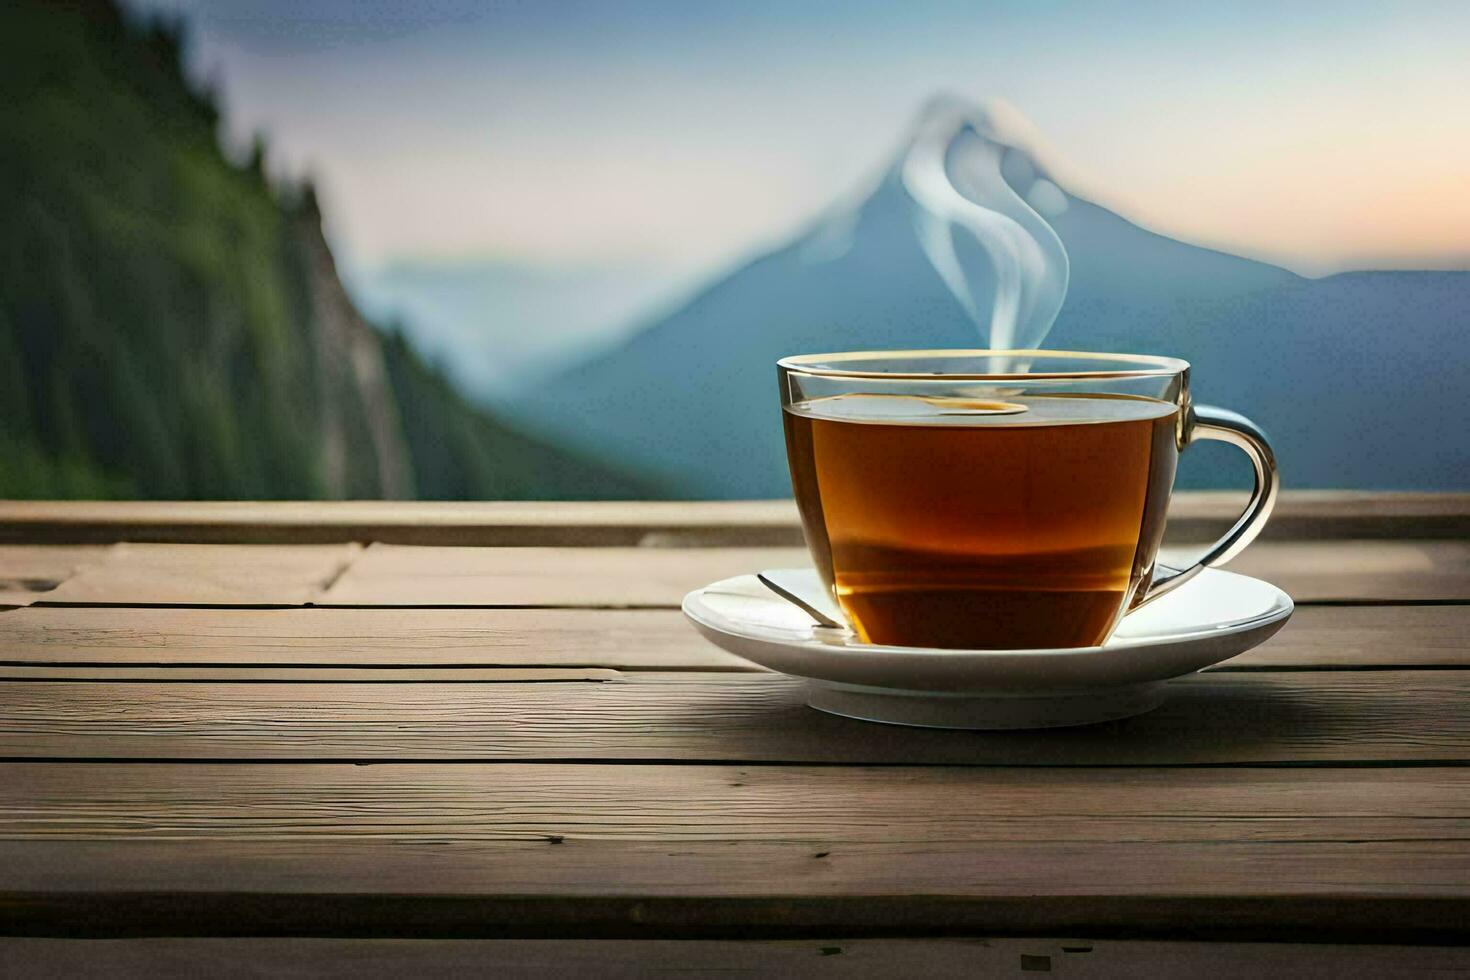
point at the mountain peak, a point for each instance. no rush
(969, 187)
(979, 205)
(865, 279)
(996, 119)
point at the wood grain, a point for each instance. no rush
(576, 771)
(454, 523)
(1338, 571)
(660, 851)
(1359, 571)
(1317, 637)
(31, 572)
(346, 674)
(207, 574)
(1194, 516)
(593, 805)
(388, 575)
(827, 956)
(1354, 637)
(444, 638)
(1285, 718)
(1204, 515)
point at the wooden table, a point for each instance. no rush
(486, 731)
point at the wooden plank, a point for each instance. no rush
(827, 956)
(391, 575)
(1204, 515)
(207, 574)
(1343, 571)
(1273, 718)
(1358, 571)
(1317, 636)
(345, 674)
(441, 638)
(1194, 516)
(1355, 637)
(669, 851)
(29, 572)
(517, 523)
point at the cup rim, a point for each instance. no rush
(814, 364)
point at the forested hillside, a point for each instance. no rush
(171, 322)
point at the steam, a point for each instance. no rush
(956, 172)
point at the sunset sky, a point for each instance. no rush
(1323, 136)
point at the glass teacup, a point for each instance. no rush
(981, 499)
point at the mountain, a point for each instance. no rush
(172, 324)
(1357, 377)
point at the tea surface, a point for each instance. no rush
(1028, 521)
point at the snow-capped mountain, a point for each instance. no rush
(694, 396)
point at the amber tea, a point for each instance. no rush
(955, 522)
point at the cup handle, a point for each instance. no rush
(1221, 425)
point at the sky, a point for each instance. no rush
(1322, 136)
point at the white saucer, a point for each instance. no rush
(1213, 617)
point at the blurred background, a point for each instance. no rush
(456, 250)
